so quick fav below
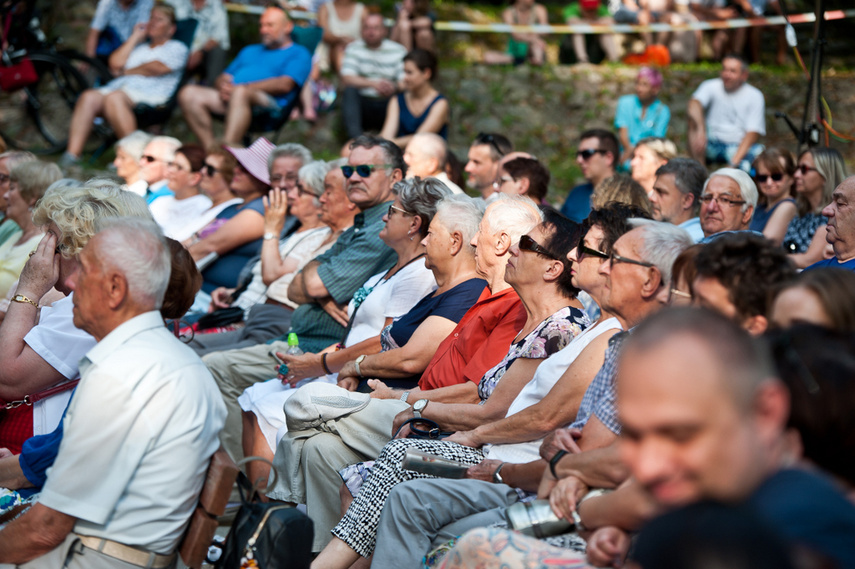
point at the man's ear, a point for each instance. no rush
(749, 213)
(525, 184)
(755, 325)
(397, 175)
(116, 285)
(687, 202)
(771, 409)
(457, 243)
(652, 285)
(503, 243)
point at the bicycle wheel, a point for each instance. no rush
(93, 69)
(37, 117)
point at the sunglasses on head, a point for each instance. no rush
(528, 244)
(363, 170)
(489, 139)
(761, 178)
(586, 154)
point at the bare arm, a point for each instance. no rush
(273, 266)
(35, 533)
(246, 226)
(150, 69)
(748, 141)
(623, 134)
(436, 119)
(556, 409)
(307, 285)
(274, 85)
(11, 475)
(411, 358)
(697, 130)
(91, 42)
(119, 57)
(459, 417)
(22, 370)
(458, 393)
(814, 253)
(777, 225)
(390, 125)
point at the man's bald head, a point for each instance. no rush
(425, 155)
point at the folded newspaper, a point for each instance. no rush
(434, 465)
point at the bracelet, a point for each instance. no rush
(554, 461)
(404, 396)
(25, 300)
(324, 363)
(497, 478)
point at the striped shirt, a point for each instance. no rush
(383, 62)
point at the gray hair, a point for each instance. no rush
(290, 150)
(829, 164)
(170, 143)
(135, 143)
(64, 183)
(689, 177)
(747, 187)
(337, 163)
(138, 249)
(513, 214)
(458, 212)
(312, 175)
(662, 243)
(33, 177)
(15, 157)
(420, 197)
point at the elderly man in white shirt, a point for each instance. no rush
(144, 421)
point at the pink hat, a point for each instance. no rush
(254, 158)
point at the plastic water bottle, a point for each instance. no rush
(293, 350)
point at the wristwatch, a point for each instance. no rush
(356, 364)
(404, 396)
(419, 407)
(268, 236)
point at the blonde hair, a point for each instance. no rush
(76, 211)
(33, 178)
(663, 148)
(620, 189)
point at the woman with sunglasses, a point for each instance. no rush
(222, 253)
(216, 177)
(773, 172)
(819, 171)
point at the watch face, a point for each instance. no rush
(420, 405)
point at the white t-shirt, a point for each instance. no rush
(731, 115)
(545, 377)
(194, 225)
(173, 215)
(138, 438)
(151, 90)
(61, 344)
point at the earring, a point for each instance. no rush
(412, 237)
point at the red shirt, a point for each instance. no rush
(479, 342)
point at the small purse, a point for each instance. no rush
(266, 535)
(18, 76)
(424, 429)
(220, 318)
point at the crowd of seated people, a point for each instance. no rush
(670, 340)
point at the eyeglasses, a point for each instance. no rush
(501, 181)
(209, 170)
(614, 259)
(364, 170)
(301, 189)
(720, 200)
(804, 169)
(489, 139)
(393, 209)
(586, 154)
(148, 158)
(582, 250)
(761, 178)
(528, 244)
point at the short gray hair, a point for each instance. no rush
(291, 150)
(15, 157)
(33, 177)
(135, 143)
(171, 144)
(747, 187)
(458, 212)
(420, 197)
(514, 214)
(137, 248)
(662, 243)
(312, 175)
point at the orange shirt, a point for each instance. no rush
(479, 342)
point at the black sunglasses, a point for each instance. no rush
(209, 170)
(761, 178)
(484, 138)
(582, 250)
(804, 169)
(529, 244)
(587, 153)
(150, 159)
(364, 170)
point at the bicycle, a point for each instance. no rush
(36, 116)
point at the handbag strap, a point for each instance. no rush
(36, 397)
(253, 491)
(433, 430)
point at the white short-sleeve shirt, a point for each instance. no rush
(730, 115)
(138, 437)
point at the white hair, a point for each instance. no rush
(137, 248)
(662, 243)
(134, 143)
(312, 174)
(291, 150)
(747, 187)
(457, 212)
(516, 215)
(170, 144)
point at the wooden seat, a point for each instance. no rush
(219, 481)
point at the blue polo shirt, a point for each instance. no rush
(256, 63)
